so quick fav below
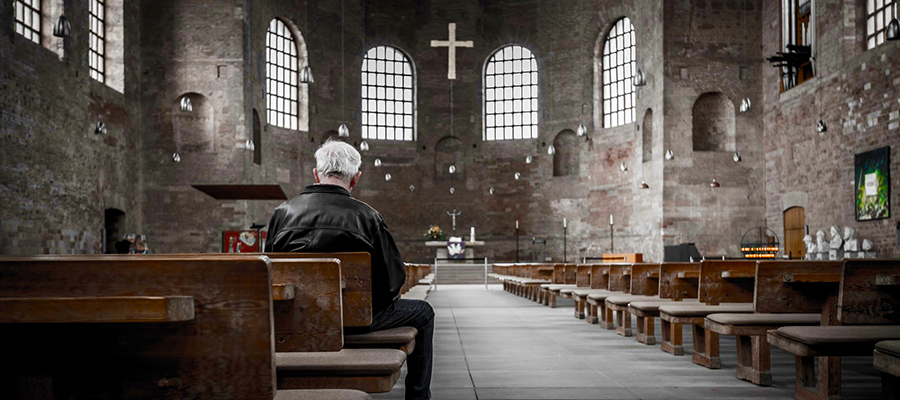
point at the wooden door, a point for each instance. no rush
(794, 230)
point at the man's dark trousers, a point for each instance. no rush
(417, 314)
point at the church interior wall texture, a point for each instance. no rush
(58, 176)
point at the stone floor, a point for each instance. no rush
(495, 345)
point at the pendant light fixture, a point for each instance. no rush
(821, 127)
(387, 177)
(644, 185)
(364, 146)
(412, 188)
(581, 131)
(714, 184)
(670, 155)
(551, 150)
(529, 159)
(452, 190)
(186, 105)
(737, 157)
(623, 167)
(452, 169)
(517, 175)
(100, 128)
(343, 131)
(176, 158)
(892, 32)
(491, 190)
(745, 105)
(62, 28)
(249, 145)
(639, 79)
(377, 162)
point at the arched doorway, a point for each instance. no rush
(794, 230)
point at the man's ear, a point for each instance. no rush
(316, 174)
(355, 179)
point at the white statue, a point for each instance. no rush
(835, 246)
(866, 249)
(810, 247)
(867, 245)
(850, 242)
(821, 244)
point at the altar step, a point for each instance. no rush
(460, 273)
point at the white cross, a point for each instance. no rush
(452, 44)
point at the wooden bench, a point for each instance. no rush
(671, 289)
(777, 302)
(582, 281)
(599, 284)
(644, 287)
(866, 307)
(618, 282)
(158, 327)
(563, 277)
(723, 288)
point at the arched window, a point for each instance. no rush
(878, 15)
(511, 95)
(618, 69)
(388, 95)
(28, 19)
(282, 65)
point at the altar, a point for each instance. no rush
(441, 246)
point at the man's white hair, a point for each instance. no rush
(337, 159)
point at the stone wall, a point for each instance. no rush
(57, 176)
(856, 93)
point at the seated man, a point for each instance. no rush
(325, 219)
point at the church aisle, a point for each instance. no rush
(494, 345)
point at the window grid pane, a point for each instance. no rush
(878, 15)
(282, 67)
(388, 96)
(618, 68)
(97, 38)
(28, 19)
(511, 95)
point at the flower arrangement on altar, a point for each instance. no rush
(434, 233)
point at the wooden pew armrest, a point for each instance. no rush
(738, 274)
(117, 309)
(812, 278)
(283, 292)
(688, 275)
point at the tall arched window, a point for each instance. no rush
(388, 95)
(511, 95)
(618, 69)
(282, 65)
(97, 35)
(28, 19)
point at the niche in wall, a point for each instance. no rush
(713, 123)
(194, 129)
(449, 151)
(114, 228)
(567, 157)
(647, 136)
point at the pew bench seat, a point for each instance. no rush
(548, 292)
(368, 370)
(402, 338)
(596, 304)
(887, 360)
(832, 341)
(753, 354)
(321, 394)
(618, 305)
(645, 312)
(706, 342)
(580, 296)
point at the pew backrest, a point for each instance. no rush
(600, 276)
(870, 292)
(225, 350)
(794, 286)
(679, 281)
(645, 279)
(311, 318)
(620, 278)
(727, 281)
(583, 275)
(570, 274)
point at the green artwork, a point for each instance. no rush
(873, 184)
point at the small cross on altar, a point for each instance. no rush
(453, 214)
(452, 44)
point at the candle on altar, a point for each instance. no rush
(472, 235)
(564, 223)
(610, 219)
(517, 224)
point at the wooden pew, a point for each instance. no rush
(866, 314)
(644, 287)
(582, 281)
(599, 285)
(563, 278)
(671, 288)
(585, 282)
(723, 288)
(777, 302)
(618, 282)
(151, 327)
(886, 358)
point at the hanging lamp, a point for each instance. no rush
(581, 131)
(363, 146)
(343, 131)
(639, 80)
(186, 105)
(306, 75)
(892, 32)
(551, 150)
(737, 157)
(62, 28)
(821, 127)
(714, 184)
(644, 185)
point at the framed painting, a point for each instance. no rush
(873, 184)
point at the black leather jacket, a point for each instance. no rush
(325, 219)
